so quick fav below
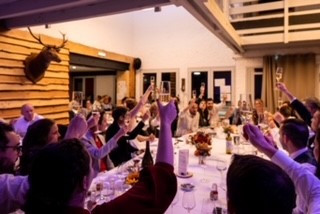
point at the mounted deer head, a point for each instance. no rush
(37, 63)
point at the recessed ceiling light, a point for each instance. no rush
(74, 67)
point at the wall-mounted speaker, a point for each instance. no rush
(137, 63)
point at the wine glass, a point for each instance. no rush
(279, 72)
(194, 94)
(188, 200)
(99, 188)
(203, 166)
(164, 93)
(221, 166)
(236, 141)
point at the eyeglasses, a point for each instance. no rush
(18, 148)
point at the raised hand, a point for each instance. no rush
(93, 120)
(257, 139)
(281, 86)
(77, 128)
(167, 112)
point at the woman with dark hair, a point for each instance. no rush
(39, 134)
(61, 175)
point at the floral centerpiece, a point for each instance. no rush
(232, 129)
(133, 178)
(202, 142)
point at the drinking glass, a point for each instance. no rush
(188, 200)
(164, 93)
(194, 94)
(99, 188)
(203, 165)
(279, 72)
(236, 141)
(221, 166)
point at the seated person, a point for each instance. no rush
(96, 145)
(307, 186)
(203, 113)
(188, 121)
(27, 118)
(213, 109)
(294, 136)
(123, 152)
(305, 110)
(39, 134)
(121, 116)
(10, 149)
(255, 185)
(66, 167)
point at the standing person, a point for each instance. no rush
(67, 168)
(10, 149)
(28, 117)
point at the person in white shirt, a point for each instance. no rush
(26, 119)
(213, 110)
(188, 121)
(307, 185)
(13, 191)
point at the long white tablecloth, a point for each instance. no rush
(209, 173)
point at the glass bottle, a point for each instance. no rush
(147, 159)
(229, 145)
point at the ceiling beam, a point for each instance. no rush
(100, 8)
(26, 7)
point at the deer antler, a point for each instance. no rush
(64, 41)
(37, 38)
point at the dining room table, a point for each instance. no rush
(201, 180)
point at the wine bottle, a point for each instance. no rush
(147, 159)
(255, 117)
(229, 145)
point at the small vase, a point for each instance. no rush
(202, 159)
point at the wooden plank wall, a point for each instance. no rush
(50, 96)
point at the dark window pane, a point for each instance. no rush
(170, 76)
(198, 77)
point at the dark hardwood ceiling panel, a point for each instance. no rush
(31, 12)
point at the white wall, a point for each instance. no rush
(174, 39)
(111, 33)
(170, 39)
(106, 85)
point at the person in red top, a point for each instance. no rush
(61, 175)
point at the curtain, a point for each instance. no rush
(299, 75)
